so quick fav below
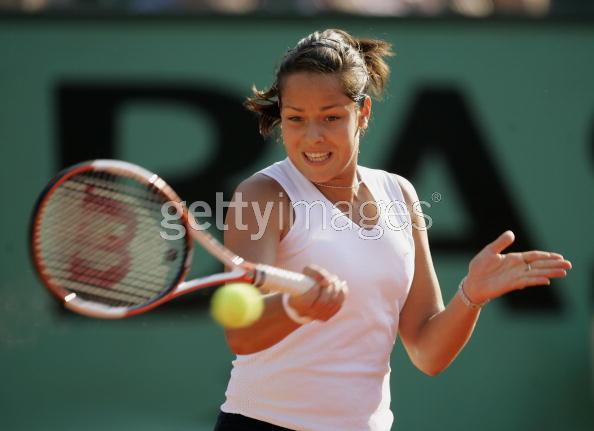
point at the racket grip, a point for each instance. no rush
(271, 279)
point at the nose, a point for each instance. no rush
(314, 133)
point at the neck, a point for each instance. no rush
(330, 186)
(337, 193)
(340, 195)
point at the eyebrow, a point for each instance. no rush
(324, 108)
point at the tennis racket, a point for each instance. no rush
(98, 244)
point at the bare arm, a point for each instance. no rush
(254, 233)
(434, 335)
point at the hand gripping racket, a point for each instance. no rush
(97, 244)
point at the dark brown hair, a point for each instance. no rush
(359, 63)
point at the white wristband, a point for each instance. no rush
(292, 313)
(466, 300)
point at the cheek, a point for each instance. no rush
(347, 133)
(352, 125)
(293, 131)
(287, 136)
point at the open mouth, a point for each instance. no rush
(318, 157)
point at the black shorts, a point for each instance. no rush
(236, 422)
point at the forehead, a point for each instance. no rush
(306, 88)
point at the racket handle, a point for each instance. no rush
(272, 279)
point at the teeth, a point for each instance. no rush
(317, 157)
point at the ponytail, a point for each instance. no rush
(374, 51)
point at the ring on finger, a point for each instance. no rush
(528, 266)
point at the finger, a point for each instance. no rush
(330, 300)
(331, 312)
(302, 303)
(321, 271)
(320, 275)
(320, 309)
(341, 293)
(547, 272)
(344, 291)
(531, 256)
(326, 310)
(327, 295)
(551, 264)
(502, 242)
(313, 272)
(308, 299)
(529, 281)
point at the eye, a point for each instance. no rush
(332, 118)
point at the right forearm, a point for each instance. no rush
(272, 327)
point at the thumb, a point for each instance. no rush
(502, 242)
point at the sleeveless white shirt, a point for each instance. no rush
(335, 375)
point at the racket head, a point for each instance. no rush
(96, 240)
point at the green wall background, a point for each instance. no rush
(531, 91)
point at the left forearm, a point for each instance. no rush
(444, 335)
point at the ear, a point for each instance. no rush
(364, 113)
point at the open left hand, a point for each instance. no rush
(492, 274)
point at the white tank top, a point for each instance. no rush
(335, 375)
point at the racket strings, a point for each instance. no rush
(63, 271)
(100, 234)
(100, 238)
(96, 271)
(107, 296)
(104, 187)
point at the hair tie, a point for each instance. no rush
(325, 43)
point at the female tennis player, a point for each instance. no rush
(320, 362)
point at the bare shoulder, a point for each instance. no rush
(412, 202)
(260, 187)
(263, 195)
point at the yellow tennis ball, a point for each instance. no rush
(236, 305)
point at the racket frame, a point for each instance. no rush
(266, 277)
